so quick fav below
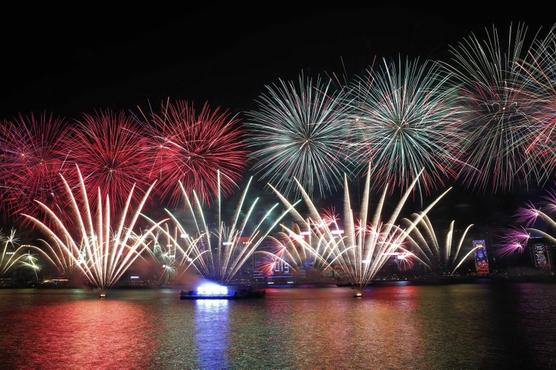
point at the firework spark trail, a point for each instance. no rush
(302, 130)
(540, 70)
(550, 222)
(219, 249)
(307, 244)
(11, 253)
(14, 254)
(409, 122)
(168, 253)
(514, 240)
(444, 258)
(32, 156)
(301, 246)
(189, 146)
(365, 247)
(499, 109)
(100, 251)
(110, 151)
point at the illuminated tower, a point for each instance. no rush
(481, 257)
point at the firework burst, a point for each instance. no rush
(498, 109)
(547, 218)
(440, 256)
(11, 253)
(550, 201)
(359, 250)
(166, 250)
(514, 240)
(111, 153)
(101, 247)
(14, 254)
(409, 123)
(217, 248)
(301, 130)
(306, 245)
(540, 70)
(32, 155)
(537, 221)
(189, 147)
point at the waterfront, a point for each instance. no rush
(400, 326)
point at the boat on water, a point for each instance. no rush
(215, 291)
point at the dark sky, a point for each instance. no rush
(67, 61)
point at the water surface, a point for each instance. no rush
(464, 326)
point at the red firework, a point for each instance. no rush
(189, 146)
(111, 153)
(32, 156)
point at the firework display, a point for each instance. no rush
(219, 248)
(302, 130)
(442, 256)
(409, 121)
(484, 119)
(364, 245)
(32, 153)
(189, 146)
(546, 215)
(100, 246)
(514, 240)
(14, 254)
(540, 71)
(499, 109)
(167, 252)
(111, 153)
(537, 225)
(302, 248)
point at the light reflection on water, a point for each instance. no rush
(211, 333)
(427, 327)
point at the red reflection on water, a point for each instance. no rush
(326, 328)
(79, 334)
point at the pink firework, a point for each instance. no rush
(190, 146)
(550, 201)
(330, 217)
(267, 265)
(405, 261)
(514, 241)
(528, 214)
(111, 153)
(32, 156)
(539, 69)
(541, 146)
(539, 143)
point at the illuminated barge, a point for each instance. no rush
(216, 291)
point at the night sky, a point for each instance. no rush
(68, 61)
